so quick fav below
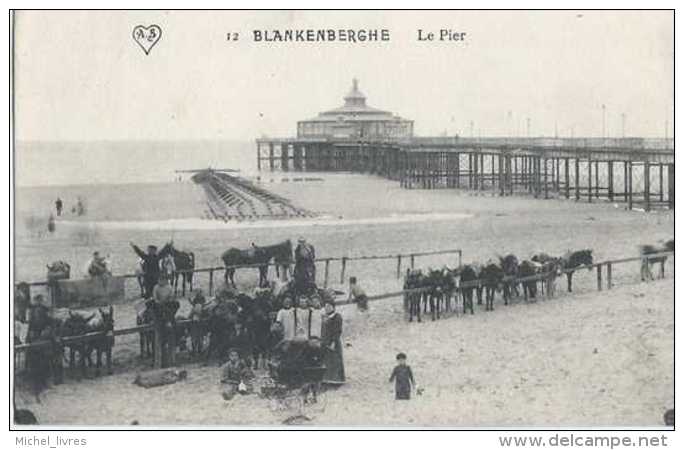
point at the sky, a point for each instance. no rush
(79, 76)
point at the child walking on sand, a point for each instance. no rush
(403, 378)
(357, 294)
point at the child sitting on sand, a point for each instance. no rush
(403, 378)
(357, 294)
(236, 376)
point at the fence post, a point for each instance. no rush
(344, 268)
(609, 275)
(327, 271)
(398, 267)
(599, 280)
(413, 261)
(171, 344)
(157, 346)
(211, 281)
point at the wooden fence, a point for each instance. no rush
(344, 260)
(400, 293)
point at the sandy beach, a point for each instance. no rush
(574, 361)
(586, 359)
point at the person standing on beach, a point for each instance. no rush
(80, 207)
(403, 378)
(39, 360)
(58, 206)
(196, 327)
(315, 317)
(286, 320)
(331, 343)
(301, 318)
(51, 223)
(165, 319)
(150, 265)
(305, 267)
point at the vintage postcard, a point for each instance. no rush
(365, 219)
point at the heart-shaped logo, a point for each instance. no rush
(147, 37)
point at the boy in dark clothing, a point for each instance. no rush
(403, 378)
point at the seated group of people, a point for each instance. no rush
(310, 337)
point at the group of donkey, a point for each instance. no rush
(216, 319)
(432, 290)
(435, 289)
(48, 360)
(258, 257)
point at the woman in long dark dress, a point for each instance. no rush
(331, 340)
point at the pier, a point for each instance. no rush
(234, 198)
(637, 172)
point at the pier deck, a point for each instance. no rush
(638, 172)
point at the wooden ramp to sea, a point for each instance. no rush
(231, 197)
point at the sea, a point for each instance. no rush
(42, 163)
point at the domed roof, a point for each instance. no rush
(355, 97)
(354, 109)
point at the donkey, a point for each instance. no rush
(492, 276)
(468, 282)
(259, 327)
(510, 267)
(574, 260)
(529, 287)
(257, 256)
(414, 279)
(647, 261)
(551, 268)
(184, 263)
(77, 325)
(438, 289)
(104, 343)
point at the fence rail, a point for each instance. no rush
(478, 283)
(326, 261)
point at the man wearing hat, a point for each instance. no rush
(305, 266)
(150, 265)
